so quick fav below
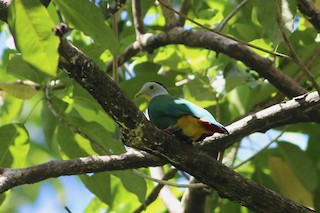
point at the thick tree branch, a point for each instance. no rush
(304, 108)
(10, 178)
(311, 12)
(139, 133)
(218, 43)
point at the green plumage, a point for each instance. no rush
(165, 110)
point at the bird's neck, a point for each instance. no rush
(157, 93)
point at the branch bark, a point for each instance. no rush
(311, 12)
(14, 177)
(218, 43)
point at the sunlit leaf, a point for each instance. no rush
(32, 26)
(10, 108)
(22, 90)
(86, 17)
(14, 145)
(267, 17)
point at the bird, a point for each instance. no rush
(185, 120)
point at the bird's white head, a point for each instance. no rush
(150, 90)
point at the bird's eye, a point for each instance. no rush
(151, 87)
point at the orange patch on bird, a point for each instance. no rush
(192, 127)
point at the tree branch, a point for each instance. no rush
(14, 177)
(311, 12)
(305, 108)
(170, 18)
(113, 8)
(218, 43)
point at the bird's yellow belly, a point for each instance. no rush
(191, 127)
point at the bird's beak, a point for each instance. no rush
(139, 95)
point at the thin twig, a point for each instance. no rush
(115, 58)
(184, 10)
(137, 18)
(230, 15)
(226, 36)
(315, 55)
(293, 53)
(195, 185)
(154, 194)
(261, 150)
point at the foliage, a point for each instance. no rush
(45, 115)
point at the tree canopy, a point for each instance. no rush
(67, 103)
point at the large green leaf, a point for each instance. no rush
(267, 18)
(22, 70)
(49, 121)
(301, 165)
(32, 26)
(88, 18)
(100, 135)
(72, 145)
(133, 183)
(200, 92)
(288, 182)
(99, 184)
(14, 145)
(10, 109)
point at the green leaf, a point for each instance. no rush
(10, 110)
(14, 145)
(22, 70)
(71, 145)
(267, 18)
(21, 90)
(199, 92)
(289, 184)
(32, 26)
(301, 165)
(49, 121)
(88, 18)
(99, 135)
(2, 198)
(99, 184)
(133, 183)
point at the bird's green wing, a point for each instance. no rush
(164, 110)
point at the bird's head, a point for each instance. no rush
(150, 90)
